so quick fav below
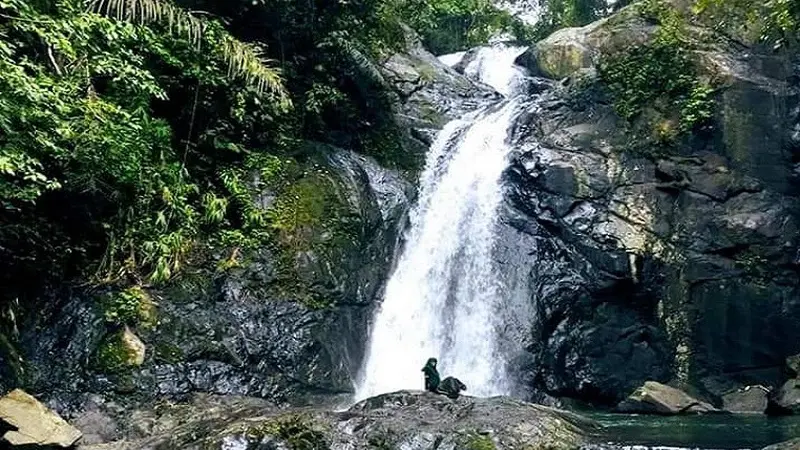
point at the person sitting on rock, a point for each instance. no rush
(450, 386)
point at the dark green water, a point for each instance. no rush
(704, 432)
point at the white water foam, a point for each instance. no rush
(444, 296)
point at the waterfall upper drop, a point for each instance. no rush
(443, 299)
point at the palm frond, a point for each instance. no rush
(358, 60)
(243, 59)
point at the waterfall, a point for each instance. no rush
(444, 298)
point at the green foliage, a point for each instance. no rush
(87, 115)
(242, 59)
(660, 79)
(557, 14)
(772, 22)
(478, 442)
(296, 431)
(132, 306)
(451, 25)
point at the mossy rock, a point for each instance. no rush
(132, 306)
(296, 431)
(119, 351)
(571, 50)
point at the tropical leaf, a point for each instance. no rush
(244, 60)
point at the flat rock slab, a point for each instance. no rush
(33, 424)
(748, 400)
(657, 398)
(405, 420)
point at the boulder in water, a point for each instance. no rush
(32, 424)
(657, 398)
(786, 400)
(750, 399)
(793, 365)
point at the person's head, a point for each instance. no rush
(431, 362)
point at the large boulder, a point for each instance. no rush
(750, 400)
(569, 50)
(793, 365)
(657, 398)
(786, 400)
(401, 420)
(32, 424)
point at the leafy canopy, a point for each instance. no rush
(95, 163)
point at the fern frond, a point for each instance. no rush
(243, 59)
(358, 60)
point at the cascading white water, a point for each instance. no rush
(443, 298)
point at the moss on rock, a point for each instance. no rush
(132, 306)
(119, 351)
(479, 442)
(296, 431)
(314, 223)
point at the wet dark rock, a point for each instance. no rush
(639, 265)
(98, 421)
(429, 93)
(785, 400)
(657, 398)
(793, 365)
(400, 420)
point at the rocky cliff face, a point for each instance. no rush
(679, 266)
(243, 331)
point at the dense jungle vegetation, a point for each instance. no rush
(133, 132)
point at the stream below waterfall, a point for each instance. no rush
(716, 431)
